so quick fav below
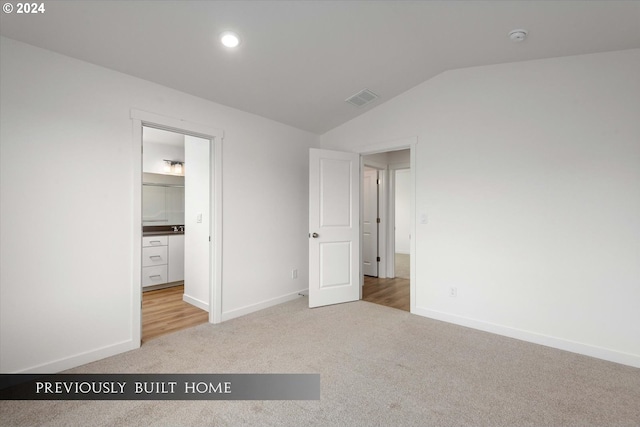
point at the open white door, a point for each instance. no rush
(370, 220)
(334, 227)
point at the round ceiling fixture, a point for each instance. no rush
(229, 39)
(518, 35)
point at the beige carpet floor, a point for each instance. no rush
(379, 367)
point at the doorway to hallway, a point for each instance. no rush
(336, 215)
(386, 229)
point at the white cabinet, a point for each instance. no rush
(154, 260)
(176, 258)
(162, 259)
(162, 200)
(153, 205)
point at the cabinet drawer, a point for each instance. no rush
(154, 256)
(154, 241)
(155, 275)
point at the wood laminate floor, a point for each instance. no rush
(388, 292)
(164, 311)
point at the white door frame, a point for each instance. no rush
(215, 136)
(394, 145)
(382, 212)
(391, 249)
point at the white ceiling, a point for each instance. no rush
(299, 60)
(164, 137)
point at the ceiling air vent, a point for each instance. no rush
(361, 98)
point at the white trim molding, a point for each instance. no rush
(195, 302)
(81, 358)
(170, 123)
(228, 315)
(533, 337)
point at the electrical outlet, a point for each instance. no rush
(453, 291)
(294, 273)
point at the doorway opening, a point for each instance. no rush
(386, 229)
(177, 245)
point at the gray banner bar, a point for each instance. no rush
(160, 387)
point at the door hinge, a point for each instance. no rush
(378, 259)
(378, 220)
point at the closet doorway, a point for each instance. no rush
(174, 247)
(199, 287)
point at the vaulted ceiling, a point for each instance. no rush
(299, 60)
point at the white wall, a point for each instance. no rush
(530, 176)
(402, 210)
(399, 158)
(154, 155)
(66, 213)
(196, 220)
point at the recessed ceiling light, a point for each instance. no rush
(229, 39)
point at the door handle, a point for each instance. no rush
(315, 235)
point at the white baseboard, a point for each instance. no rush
(195, 302)
(534, 337)
(80, 359)
(228, 315)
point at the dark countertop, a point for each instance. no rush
(160, 230)
(161, 233)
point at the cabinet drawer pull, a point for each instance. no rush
(155, 276)
(155, 242)
(155, 257)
